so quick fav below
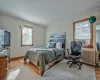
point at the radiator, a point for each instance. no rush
(88, 56)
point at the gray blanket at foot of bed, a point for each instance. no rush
(42, 56)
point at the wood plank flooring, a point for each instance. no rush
(19, 62)
(97, 70)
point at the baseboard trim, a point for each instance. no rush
(88, 64)
(15, 58)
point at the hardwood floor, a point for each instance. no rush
(19, 62)
(97, 70)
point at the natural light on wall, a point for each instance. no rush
(27, 36)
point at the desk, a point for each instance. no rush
(3, 67)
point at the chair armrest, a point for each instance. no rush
(80, 51)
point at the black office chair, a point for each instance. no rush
(98, 49)
(75, 54)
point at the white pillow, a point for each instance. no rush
(59, 45)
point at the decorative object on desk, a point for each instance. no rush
(92, 19)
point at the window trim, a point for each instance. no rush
(32, 35)
(91, 28)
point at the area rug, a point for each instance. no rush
(13, 74)
(20, 73)
(61, 71)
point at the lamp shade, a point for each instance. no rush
(92, 19)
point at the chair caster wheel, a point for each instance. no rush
(81, 65)
(67, 62)
(79, 68)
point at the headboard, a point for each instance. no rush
(59, 37)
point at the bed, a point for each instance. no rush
(40, 57)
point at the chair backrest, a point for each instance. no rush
(98, 46)
(76, 48)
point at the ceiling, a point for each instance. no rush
(46, 11)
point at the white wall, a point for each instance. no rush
(13, 25)
(67, 25)
(64, 26)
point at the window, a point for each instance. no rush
(83, 32)
(26, 36)
(1, 37)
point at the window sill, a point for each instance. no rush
(26, 45)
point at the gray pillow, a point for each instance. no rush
(1, 49)
(51, 45)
